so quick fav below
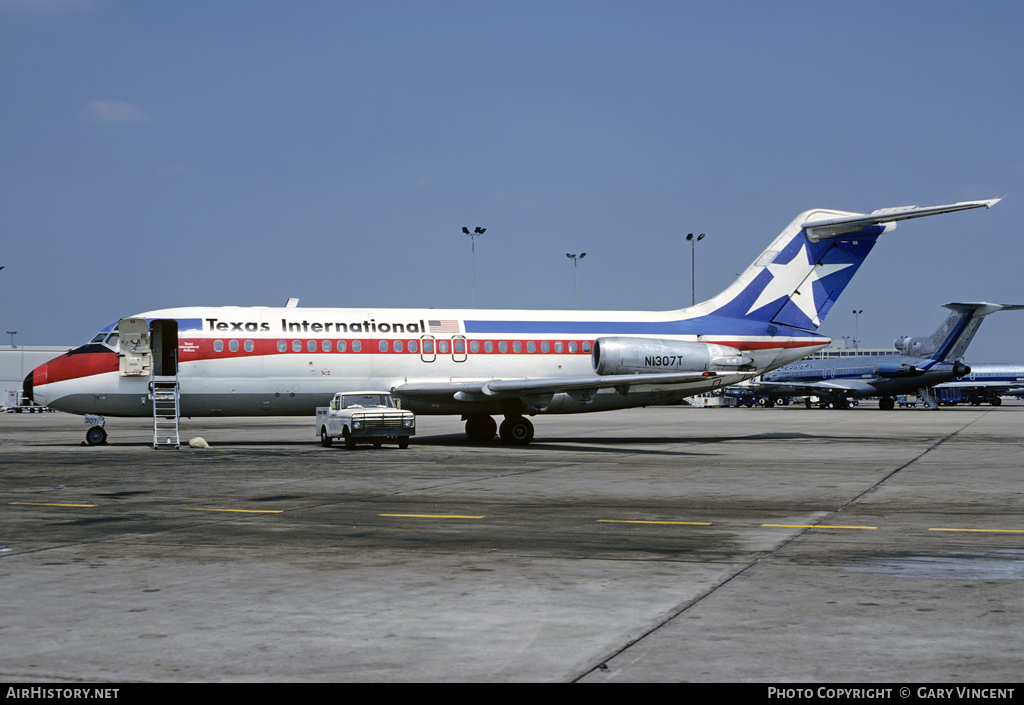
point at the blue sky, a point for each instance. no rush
(157, 154)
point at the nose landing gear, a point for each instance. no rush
(96, 436)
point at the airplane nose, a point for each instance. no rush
(44, 383)
(26, 388)
(33, 385)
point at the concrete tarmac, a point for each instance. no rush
(663, 544)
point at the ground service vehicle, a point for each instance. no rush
(364, 416)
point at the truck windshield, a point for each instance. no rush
(355, 401)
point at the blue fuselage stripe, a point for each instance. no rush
(703, 325)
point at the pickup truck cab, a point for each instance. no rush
(364, 417)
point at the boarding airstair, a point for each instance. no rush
(925, 394)
(166, 397)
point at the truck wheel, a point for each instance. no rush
(350, 442)
(325, 440)
(403, 442)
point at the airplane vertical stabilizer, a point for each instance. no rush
(797, 280)
(949, 342)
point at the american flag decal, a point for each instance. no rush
(444, 326)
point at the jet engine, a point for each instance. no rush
(906, 344)
(624, 356)
(897, 369)
(902, 369)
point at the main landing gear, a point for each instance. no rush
(514, 430)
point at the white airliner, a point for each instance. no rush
(232, 361)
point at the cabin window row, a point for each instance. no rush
(218, 346)
(456, 346)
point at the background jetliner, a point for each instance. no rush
(984, 383)
(923, 362)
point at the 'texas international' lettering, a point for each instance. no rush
(238, 326)
(304, 326)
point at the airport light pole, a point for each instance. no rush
(693, 267)
(856, 328)
(575, 277)
(477, 232)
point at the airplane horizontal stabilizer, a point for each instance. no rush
(818, 229)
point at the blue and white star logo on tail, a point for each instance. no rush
(795, 279)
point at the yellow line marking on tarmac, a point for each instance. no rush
(430, 516)
(240, 511)
(639, 521)
(815, 526)
(987, 531)
(54, 504)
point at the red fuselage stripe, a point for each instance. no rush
(68, 367)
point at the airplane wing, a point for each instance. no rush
(799, 389)
(498, 388)
(817, 229)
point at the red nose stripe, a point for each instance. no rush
(74, 366)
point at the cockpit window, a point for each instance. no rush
(106, 338)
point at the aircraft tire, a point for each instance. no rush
(516, 431)
(96, 436)
(325, 440)
(481, 427)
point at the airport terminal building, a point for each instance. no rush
(16, 361)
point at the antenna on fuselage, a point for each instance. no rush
(292, 303)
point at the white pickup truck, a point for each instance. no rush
(364, 417)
